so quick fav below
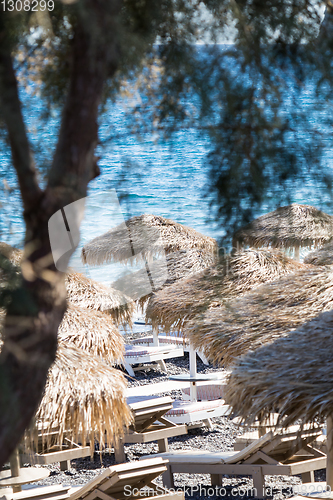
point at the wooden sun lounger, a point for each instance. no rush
(24, 475)
(149, 424)
(118, 481)
(47, 450)
(115, 483)
(54, 492)
(64, 456)
(261, 428)
(140, 355)
(285, 453)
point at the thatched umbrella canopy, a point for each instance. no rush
(90, 294)
(85, 398)
(92, 331)
(293, 226)
(235, 275)
(177, 266)
(85, 292)
(321, 257)
(14, 255)
(293, 374)
(142, 237)
(262, 316)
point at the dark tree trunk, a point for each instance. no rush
(37, 308)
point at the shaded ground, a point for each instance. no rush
(196, 487)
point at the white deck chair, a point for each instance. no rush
(139, 355)
(206, 391)
(171, 339)
(190, 412)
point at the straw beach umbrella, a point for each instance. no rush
(92, 331)
(261, 316)
(142, 237)
(321, 257)
(84, 397)
(293, 374)
(292, 226)
(140, 286)
(87, 293)
(175, 305)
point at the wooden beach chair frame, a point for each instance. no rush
(47, 451)
(287, 453)
(149, 424)
(54, 492)
(64, 456)
(111, 484)
(115, 483)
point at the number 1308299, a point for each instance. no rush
(27, 5)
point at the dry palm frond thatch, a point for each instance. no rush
(163, 273)
(261, 316)
(84, 398)
(92, 331)
(294, 375)
(321, 257)
(87, 293)
(173, 306)
(287, 227)
(142, 237)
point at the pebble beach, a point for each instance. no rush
(196, 487)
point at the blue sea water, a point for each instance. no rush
(161, 177)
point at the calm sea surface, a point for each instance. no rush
(165, 178)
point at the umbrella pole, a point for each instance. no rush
(156, 342)
(329, 465)
(15, 467)
(193, 372)
(296, 254)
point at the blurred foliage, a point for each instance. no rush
(10, 282)
(247, 95)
